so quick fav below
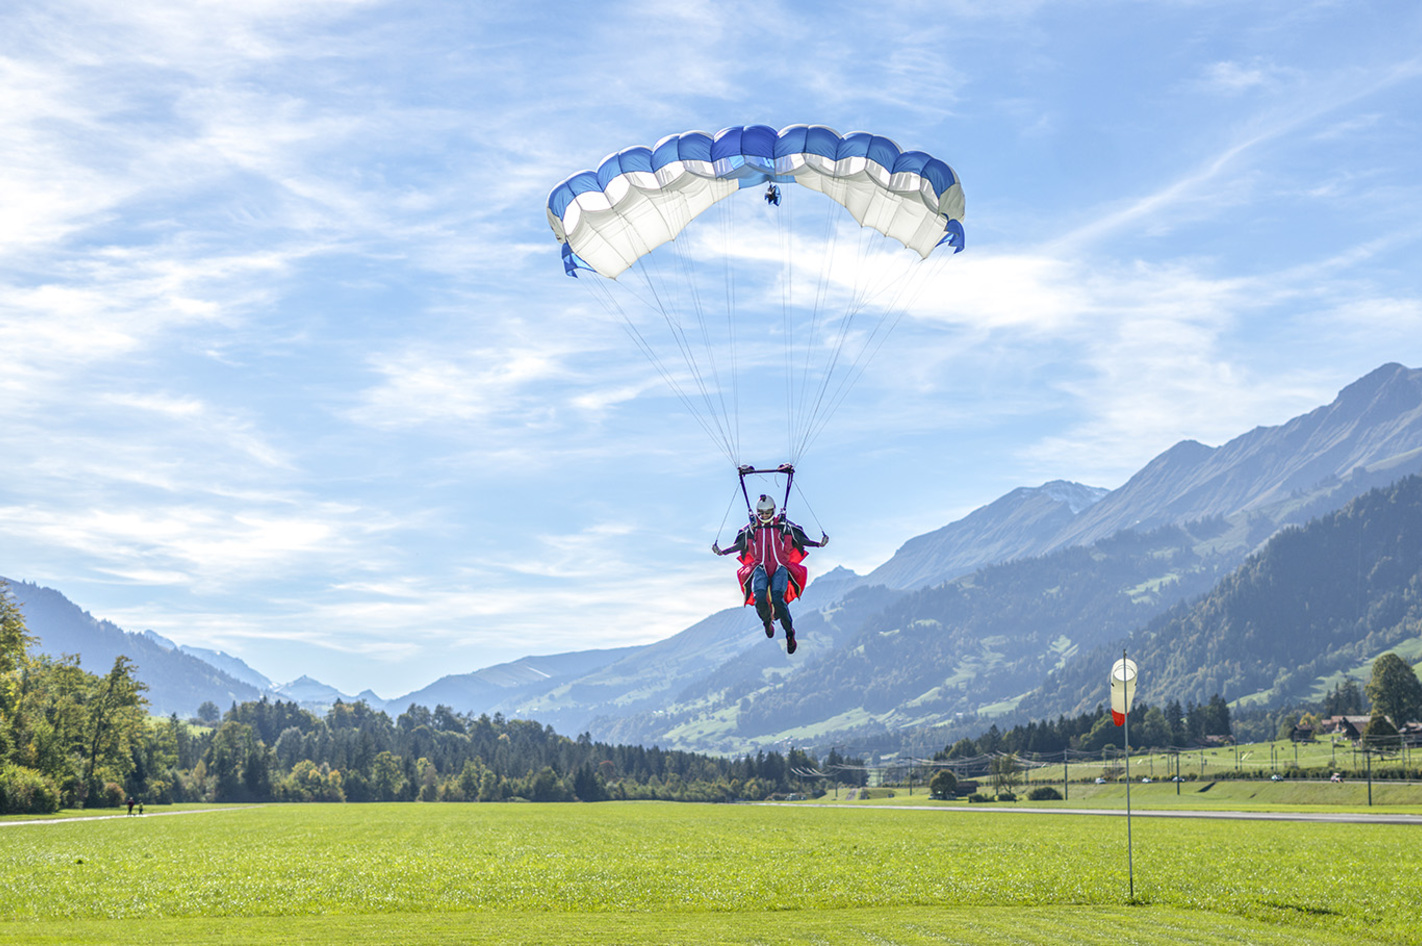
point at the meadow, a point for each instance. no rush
(653, 872)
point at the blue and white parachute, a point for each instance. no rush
(793, 272)
(640, 198)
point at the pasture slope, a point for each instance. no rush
(669, 873)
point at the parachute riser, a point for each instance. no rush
(786, 468)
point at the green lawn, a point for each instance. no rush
(678, 873)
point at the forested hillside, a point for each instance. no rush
(1316, 600)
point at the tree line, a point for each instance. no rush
(1170, 725)
(70, 738)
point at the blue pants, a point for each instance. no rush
(769, 594)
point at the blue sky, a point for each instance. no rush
(289, 366)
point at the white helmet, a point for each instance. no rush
(765, 508)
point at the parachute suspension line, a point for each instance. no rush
(829, 237)
(612, 304)
(813, 517)
(727, 514)
(650, 276)
(729, 415)
(728, 237)
(785, 231)
(863, 291)
(905, 293)
(648, 269)
(831, 263)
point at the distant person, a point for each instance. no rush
(130, 806)
(771, 549)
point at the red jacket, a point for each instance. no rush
(779, 543)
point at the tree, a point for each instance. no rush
(943, 785)
(1345, 700)
(208, 712)
(116, 722)
(236, 762)
(15, 639)
(1395, 690)
(1380, 735)
(1004, 772)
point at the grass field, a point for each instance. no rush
(679, 873)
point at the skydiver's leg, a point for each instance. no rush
(760, 592)
(778, 584)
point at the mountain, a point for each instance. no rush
(1026, 521)
(965, 648)
(1369, 436)
(177, 682)
(487, 689)
(1318, 601)
(972, 620)
(232, 666)
(955, 662)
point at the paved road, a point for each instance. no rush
(150, 814)
(1320, 817)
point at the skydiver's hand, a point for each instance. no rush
(716, 547)
(824, 540)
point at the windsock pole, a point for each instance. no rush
(1123, 691)
(1130, 863)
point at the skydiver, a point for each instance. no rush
(772, 195)
(771, 549)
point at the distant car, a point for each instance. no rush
(1176, 778)
(1337, 777)
(1145, 779)
(1276, 777)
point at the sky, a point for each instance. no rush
(289, 366)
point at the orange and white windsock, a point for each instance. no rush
(1123, 689)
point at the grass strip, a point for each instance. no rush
(909, 926)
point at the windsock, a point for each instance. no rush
(1123, 689)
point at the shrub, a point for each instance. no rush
(979, 797)
(25, 791)
(1044, 793)
(1006, 796)
(112, 796)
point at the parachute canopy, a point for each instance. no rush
(640, 198)
(784, 292)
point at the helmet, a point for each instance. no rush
(765, 508)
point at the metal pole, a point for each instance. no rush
(1368, 756)
(1130, 863)
(1066, 792)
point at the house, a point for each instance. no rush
(1411, 734)
(1349, 727)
